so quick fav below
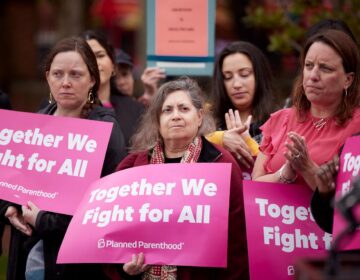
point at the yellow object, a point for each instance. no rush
(217, 137)
(253, 146)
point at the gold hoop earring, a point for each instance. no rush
(91, 97)
(50, 98)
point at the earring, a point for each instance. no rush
(346, 93)
(50, 98)
(91, 97)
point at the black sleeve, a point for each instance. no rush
(115, 151)
(124, 276)
(48, 223)
(322, 210)
(4, 101)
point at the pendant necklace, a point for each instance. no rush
(319, 124)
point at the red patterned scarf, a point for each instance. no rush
(191, 154)
(168, 272)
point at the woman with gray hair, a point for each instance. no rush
(172, 132)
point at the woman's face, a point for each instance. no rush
(105, 64)
(324, 76)
(239, 80)
(69, 80)
(179, 119)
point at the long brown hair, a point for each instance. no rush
(265, 93)
(345, 47)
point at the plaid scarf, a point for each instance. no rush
(168, 272)
(191, 154)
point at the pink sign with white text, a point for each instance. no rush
(348, 170)
(49, 160)
(280, 229)
(176, 214)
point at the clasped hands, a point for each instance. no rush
(298, 160)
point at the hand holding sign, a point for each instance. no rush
(17, 220)
(136, 265)
(131, 213)
(30, 213)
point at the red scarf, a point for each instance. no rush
(168, 272)
(191, 154)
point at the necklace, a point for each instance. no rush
(319, 124)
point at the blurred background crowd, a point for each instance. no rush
(29, 28)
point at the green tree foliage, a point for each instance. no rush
(287, 21)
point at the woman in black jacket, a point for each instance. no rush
(127, 110)
(73, 78)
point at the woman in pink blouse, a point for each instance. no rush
(326, 111)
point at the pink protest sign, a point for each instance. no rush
(49, 160)
(280, 229)
(348, 170)
(175, 214)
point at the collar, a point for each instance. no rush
(209, 152)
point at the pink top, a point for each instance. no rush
(322, 143)
(107, 105)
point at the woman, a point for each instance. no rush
(243, 82)
(73, 78)
(170, 132)
(127, 110)
(326, 111)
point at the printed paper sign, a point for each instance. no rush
(49, 160)
(348, 170)
(181, 36)
(181, 27)
(280, 229)
(176, 214)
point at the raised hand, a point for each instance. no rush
(234, 138)
(151, 77)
